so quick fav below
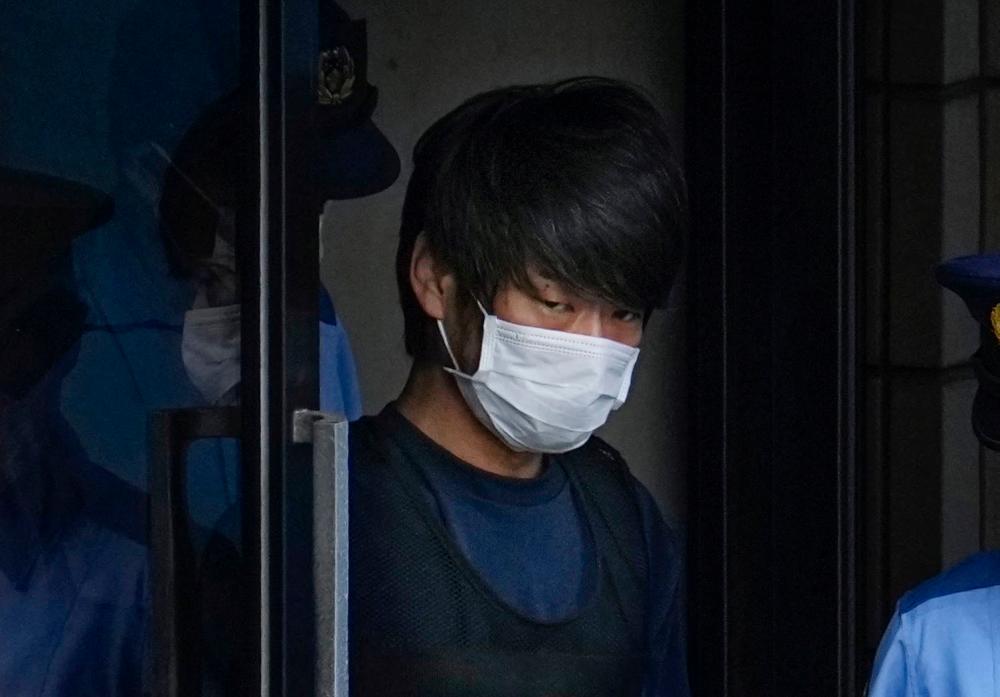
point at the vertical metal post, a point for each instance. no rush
(262, 380)
(328, 433)
(285, 345)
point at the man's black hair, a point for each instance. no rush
(576, 180)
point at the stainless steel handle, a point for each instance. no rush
(328, 434)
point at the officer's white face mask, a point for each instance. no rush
(210, 344)
(210, 348)
(542, 390)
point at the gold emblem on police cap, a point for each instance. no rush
(336, 76)
(995, 321)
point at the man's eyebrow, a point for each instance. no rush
(546, 276)
(542, 280)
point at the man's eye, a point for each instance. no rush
(557, 306)
(627, 315)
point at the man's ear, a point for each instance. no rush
(432, 284)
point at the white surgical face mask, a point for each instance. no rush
(210, 348)
(542, 390)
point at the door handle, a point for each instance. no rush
(176, 613)
(328, 433)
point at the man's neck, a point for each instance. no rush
(432, 402)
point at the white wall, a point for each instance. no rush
(426, 57)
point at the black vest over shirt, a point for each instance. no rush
(424, 622)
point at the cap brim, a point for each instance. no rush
(354, 162)
(974, 278)
(39, 217)
(34, 203)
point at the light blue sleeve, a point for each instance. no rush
(338, 379)
(891, 675)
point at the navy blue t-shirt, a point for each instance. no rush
(529, 541)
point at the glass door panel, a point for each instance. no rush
(128, 158)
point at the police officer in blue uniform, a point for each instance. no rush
(944, 638)
(74, 605)
(497, 547)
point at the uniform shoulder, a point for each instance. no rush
(979, 571)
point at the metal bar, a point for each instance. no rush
(176, 590)
(287, 348)
(330, 553)
(269, 316)
(163, 563)
(252, 208)
(849, 387)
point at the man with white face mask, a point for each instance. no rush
(497, 548)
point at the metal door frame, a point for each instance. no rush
(280, 342)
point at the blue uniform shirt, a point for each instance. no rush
(944, 638)
(74, 607)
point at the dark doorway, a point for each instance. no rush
(770, 155)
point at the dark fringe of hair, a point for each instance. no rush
(576, 180)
